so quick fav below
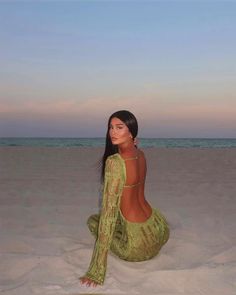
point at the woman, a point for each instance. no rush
(127, 224)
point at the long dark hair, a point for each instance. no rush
(131, 122)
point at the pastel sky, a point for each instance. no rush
(65, 66)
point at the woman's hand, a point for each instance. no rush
(88, 282)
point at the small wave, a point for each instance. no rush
(100, 142)
(12, 144)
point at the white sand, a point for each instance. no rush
(47, 194)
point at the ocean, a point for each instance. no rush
(100, 142)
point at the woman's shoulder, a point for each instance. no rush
(141, 153)
(114, 163)
(115, 158)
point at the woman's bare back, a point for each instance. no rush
(134, 206)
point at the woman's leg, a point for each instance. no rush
(163, 225)
(166, 234)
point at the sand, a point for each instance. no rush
(47, 194)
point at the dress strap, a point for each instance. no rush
(134, 158)
(133, 185)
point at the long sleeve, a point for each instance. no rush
(112, 190)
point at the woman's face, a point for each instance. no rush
(119, 132)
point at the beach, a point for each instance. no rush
(47, 194)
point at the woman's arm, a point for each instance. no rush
(112, 190)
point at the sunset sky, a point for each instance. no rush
(65, 66)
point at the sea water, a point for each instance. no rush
(100, 142)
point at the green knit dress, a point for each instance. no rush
(131, 241)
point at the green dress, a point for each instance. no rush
(131, 241)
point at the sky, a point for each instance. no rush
(66, 66)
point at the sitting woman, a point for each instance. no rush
(127, 224)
